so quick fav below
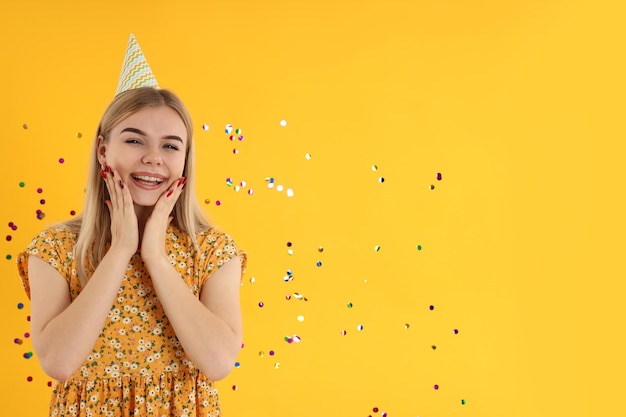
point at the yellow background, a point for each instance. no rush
(518, 104)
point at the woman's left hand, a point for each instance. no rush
(153, 240)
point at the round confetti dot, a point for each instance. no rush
(235, 151)
(436, 386)
(320, 249)
(419, 247)
(72, 213)
(22, 184)
(205, 127)
(49, 383)
(8, 238)
(25, 126)
(359, 327)
(41, 215)
(289, 244)
(433, 347)
(296, 338)
(432, 187)
(29, 379)
(11, 224)
(300, 319)
(229, 182)
(455, 331)
(283, 123)
(439, 176)
(279, 188)
(431, 308)
(61, 160)
(381, 180)
(261, 354)
(40, 190)
(235, 388)
(375, 409)
(288, 297)
(384, 414)
(277, 365)
(17, 341)
(307, 156)
(271, 353)
(229, 129)
(28, 355)
(238, 131)
(207, 201)
(26, 335)
(349, 305)
(8, 257)
(250, 192)
(79, 135)
(377, 248)
(218, 203)
(237, 365)
(463, 402)
(242, 183)
(231, 137)
(374, 168)
(343, 332)
(407, 325)
(261, 304)
(20, 306)
(42, 201)
(319, 263)
(289, 192)
(252, 280)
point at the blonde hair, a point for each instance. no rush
(93, 225)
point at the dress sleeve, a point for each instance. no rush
(216, 252)
(49, 245)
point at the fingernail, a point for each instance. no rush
(169, 193)
(122, 185)
(107, 168)
(181, 181)
(103, 174)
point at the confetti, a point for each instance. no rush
(283, 123)
(308, 156)
(229, 129)
(205, 127)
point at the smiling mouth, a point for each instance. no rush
(147, 180)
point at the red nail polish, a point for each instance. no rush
(103, 174)
(169, 193)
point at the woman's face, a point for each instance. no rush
(147, 151)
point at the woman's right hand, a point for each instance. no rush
(124, 228)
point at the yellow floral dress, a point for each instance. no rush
(137, 366)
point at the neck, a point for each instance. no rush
(143, 213)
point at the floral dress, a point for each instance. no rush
(137, 366)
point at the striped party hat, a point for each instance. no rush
(135, 70)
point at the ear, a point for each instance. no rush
(101, 149)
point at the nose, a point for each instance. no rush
(152, 157)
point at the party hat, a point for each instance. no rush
(135, 71)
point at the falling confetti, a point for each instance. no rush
(283, 123)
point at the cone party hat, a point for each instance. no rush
(135, 70)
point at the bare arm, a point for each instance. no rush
(64, 331)
(208, 328)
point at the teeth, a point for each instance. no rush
(149, 179)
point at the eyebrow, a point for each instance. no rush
(139, 132)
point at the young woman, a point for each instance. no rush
(135, 304)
